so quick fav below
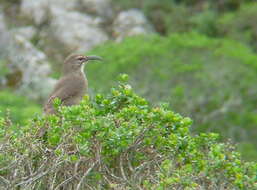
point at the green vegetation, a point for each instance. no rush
(229, 18)
(17, 108)
(211, 80)
(4, 69)
(202, 62)
(240, 25)
(118, 141)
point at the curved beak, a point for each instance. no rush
(93, 57)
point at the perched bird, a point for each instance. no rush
(73, 84)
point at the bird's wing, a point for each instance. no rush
(64, 90)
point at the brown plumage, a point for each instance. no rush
(72, 86)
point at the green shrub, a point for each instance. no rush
(18, 108)
(119, 141)
(205, 22)
(211, 80)
(169, 16)
(240, 25)
(4, 69)
(165, 15)
(221, 6)
(10, 2)
(225, 5)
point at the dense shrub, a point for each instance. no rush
(205, 22)
(117, 142)
(221, 6)
(228, 18)
(224, 5)
(186, 15)
(240, 25)
(4, 69)
(211, 80)
(165, 15)
(10, 2)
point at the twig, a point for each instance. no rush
(5, 180)
(85, 175)
(107, 180)
(140, 137)
(53, 182)
(33, 179)
(38, 176)
(111, 174)
(122, 169)
(129, 163)
(64, 182)
(9, 166)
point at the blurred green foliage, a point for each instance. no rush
(4, 68)
(224, 5)
(10, 2)
(211, 80)
(231, 18)
(119, 141)
(166, 15)
(240, 25)
(16, 108)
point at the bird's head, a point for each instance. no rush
(76, 62)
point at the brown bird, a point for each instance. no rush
(73, 84)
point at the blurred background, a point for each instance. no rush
(197, 55)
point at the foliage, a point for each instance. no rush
(221, 6)
(166, 15)
(10, 1)
(224, 5)
(17, 108)
(4, 69)
(205, 22)
(240, 25)
(119, 141)
(211, 80)
(227, 18)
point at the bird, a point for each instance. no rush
(72, 85)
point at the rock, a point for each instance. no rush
(35, 82)
(4, 42)
(77, 31)
(101, 8)
(4, 36)
(69, 5)
(28, 32)
(74, 31)
(129, 23)
(39, 11)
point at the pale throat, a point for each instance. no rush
(82, 68)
